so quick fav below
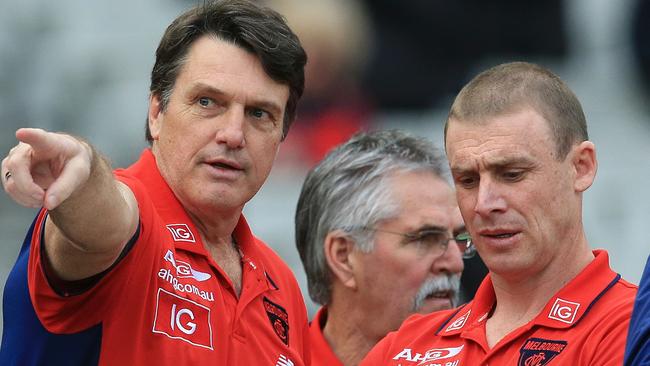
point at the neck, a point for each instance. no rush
(218, 240)
(519, 299)
(216, 228)
(346, 333)
(537, 288)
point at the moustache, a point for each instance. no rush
(449, 283)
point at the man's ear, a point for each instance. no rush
(154, 115)
(338, 247)
(585, 165)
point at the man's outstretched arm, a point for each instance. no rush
(91, 215)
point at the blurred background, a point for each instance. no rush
(83, 67)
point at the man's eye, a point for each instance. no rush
(466, 181)
(512, 175)
(259, 113)
(429, 239)
(205, 102)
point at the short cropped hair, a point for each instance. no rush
(512, 86)
(349, 190)
(256, 29)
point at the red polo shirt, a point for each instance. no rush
(321, 352)
(168, 303)
(585, 323)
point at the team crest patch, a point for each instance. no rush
(539, 352)
(279, 319)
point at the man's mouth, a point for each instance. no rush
(225, 164)
(499, 233)
(500, 236)
(439, 295)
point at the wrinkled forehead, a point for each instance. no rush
(421, 196)
(498, 141)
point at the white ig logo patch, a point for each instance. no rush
(181, 232)
(564, 310)
(175, 319)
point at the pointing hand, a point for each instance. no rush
(45, 168)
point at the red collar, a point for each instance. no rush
(563, 310)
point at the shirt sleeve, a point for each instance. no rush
(65, 312)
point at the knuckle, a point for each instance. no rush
(16, 149)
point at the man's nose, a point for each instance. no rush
(231, 128)
(451, 261)
(488, 198)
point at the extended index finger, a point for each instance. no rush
(40, 140)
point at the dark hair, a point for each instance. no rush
(350, 189)
(508, 87)
(257, 29)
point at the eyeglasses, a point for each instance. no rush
(435, 240)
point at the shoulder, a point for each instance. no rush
(626, 287)
(620, 294)
(136, 185)
(603, 288)
(432, 322)
(412, 333)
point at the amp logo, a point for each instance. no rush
(564, 311)
(180, 318)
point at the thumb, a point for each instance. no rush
(73, 175)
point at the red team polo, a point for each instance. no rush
(321, 352)
(168, 303)
(585, 323)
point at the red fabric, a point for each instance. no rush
(168, 303)
(321, 353)
(585, 323)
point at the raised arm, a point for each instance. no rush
(91, 215)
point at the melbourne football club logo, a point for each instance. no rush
(279, 319)
(181, 232)
(539, 352)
